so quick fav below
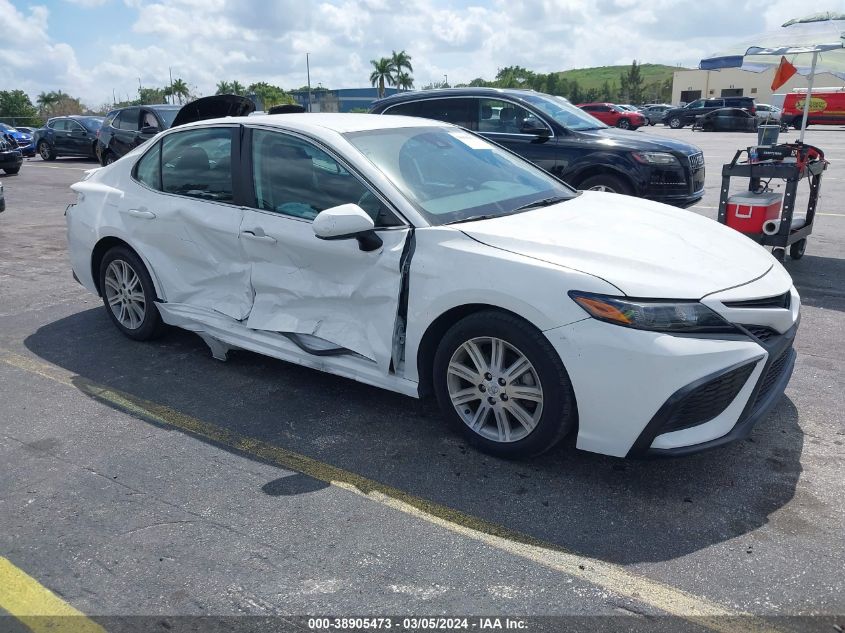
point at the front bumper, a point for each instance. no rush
(10, 160)
(647, 394)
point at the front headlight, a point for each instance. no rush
(655, 158)
(655, 315)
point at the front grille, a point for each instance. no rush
(22, 143)
(709, 400)
(774, 372)
(780, 301)
(761, 332)
(696, 162)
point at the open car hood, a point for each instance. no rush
(213, 107)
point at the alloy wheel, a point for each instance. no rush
(495, 389)
(125, 294)
(44, 151)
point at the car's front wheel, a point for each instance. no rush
(503, 385)
(605, 182)
(623, 124)
(46, 151)
(129, 295)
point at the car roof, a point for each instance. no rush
(334, 122)
(413, 95)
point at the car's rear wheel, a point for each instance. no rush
(129, 295)
(501, 383)
(12, 170)
(46, 151)
(606, 182)
(675, 123)
(623, 124)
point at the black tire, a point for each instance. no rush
(606, 182)
(623, 124)
(796, 122)
(108, 158)
(151, 326)
(559, 414)
(47, 151)
(94, 151)
(675, 123)
(12, 170)
(652, 123)
(779, 254)
(796, 250)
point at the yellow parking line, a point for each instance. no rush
(614, 578)
(38, 608)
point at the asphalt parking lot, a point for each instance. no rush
(151, 479)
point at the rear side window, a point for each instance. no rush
(407, 109)
(456, 111)
(127, 120)
(148, 169)
(198, 164)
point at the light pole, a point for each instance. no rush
(308, 71)
(446, 77)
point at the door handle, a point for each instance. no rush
(258, 234)
(140, 213)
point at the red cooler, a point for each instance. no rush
(746, 212)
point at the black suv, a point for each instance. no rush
(126, 128)
(564, 140)
(677, 118)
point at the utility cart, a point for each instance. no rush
(761, 214)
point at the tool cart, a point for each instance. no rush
(763, 215)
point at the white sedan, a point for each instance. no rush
(418, 257)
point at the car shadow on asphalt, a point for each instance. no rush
(819, 280)
(611, 509)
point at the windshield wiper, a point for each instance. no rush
(473, 218)
(545, 202)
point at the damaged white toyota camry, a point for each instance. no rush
(416, 256)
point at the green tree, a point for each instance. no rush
(180, 90)
(238, 88)
(514, 77)
(404, 81)
(15, 104)
(269, 95)
(631, 85)
(152, 95)
(382, 74)
(401, 62)
(223, 88)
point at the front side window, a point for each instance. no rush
(504, 117)
(695, 105)
(296, 178)
(563, 112)
(60, 125)
(451, 175)
(198, 164)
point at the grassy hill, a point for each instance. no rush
(595, 77)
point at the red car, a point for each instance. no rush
(614, 115)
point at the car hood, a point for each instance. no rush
(214, 107)
(644, 248)
(639, 141)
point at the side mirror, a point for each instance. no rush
(150, 130)
(535, 127)
(345, 222)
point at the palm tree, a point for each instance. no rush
(46, 101)
(382, 73)
(237, 87)
(401, 62)
(180, 89)
(224, 88)
(404, 81)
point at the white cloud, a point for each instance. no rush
(205, 41)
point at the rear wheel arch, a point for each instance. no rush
(104, 246)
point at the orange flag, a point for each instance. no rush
(783, 73)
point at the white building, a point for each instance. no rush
(689, 85)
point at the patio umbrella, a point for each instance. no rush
(812, 44)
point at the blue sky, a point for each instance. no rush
(90, 48)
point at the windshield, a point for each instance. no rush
(91, 123)
(450, 175)
(167, 115)
(563, 112)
